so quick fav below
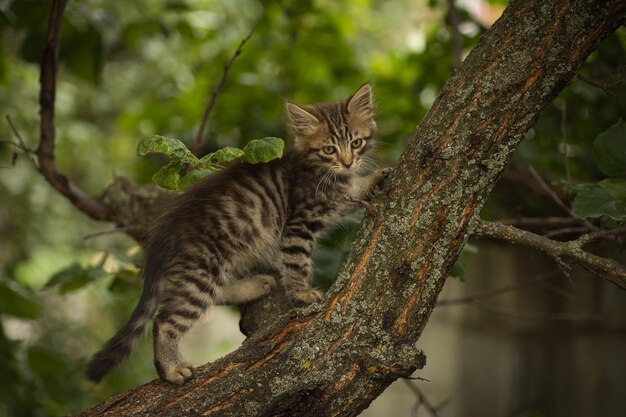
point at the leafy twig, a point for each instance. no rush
(198, 142)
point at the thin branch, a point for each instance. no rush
(597, 84)
(457, 38)
(423, 401)
(584, 240)
(21, 144)
(496, 291)
(198, 142)
(108, 232)
(573, 250)
(45, 152)
(556, 198)
(541, 221)
(566, 230)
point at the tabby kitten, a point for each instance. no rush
(268, 212)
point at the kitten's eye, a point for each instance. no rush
(329, 149)
(356, 143)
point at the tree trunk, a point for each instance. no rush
(334, 358)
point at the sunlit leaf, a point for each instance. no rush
(168, 176)
(224, 155)
(173, 148)
(263, 150)
(193, 177)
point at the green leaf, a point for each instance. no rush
(263, 150)
(74, 277)
(615, 186)
(594, 200)
(222, 156)
(609, 150)
(16, 301)
(193, 177)
(173, 148)
(168, 176)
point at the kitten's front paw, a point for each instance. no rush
(266, 282)
(307, 297)
(380, 176)
(178, 374)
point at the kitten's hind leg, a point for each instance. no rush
(186, 299)
(245, 290)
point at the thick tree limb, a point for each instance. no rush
(334, 358)
(573, 250)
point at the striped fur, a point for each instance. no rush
(243, 214)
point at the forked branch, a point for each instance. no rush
(573, 250)
(45, 152)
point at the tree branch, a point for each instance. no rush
(335, 357)
(198, 142)
(573, 250)
(45, 152)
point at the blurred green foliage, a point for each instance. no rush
(143, 68)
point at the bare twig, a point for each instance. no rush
(108, 232)
(423, 401)
(556, 198)
(566, 230)
(496, 291)
(600, 234)
(198, 142)
(457, 37)
(45, 152)
(21, 144)
(573, 250)
(597, 84)
(541, 221)
(568, 175)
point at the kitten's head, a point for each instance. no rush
(335, 135)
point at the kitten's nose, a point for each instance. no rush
(347, 164)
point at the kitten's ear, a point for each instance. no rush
(362, 102)
(302, 122)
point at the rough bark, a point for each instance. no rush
(334, 358)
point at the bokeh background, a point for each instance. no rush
(546, 345)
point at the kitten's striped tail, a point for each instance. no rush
(120, 345)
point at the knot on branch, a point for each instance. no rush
(133, 206)
(397, 362)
